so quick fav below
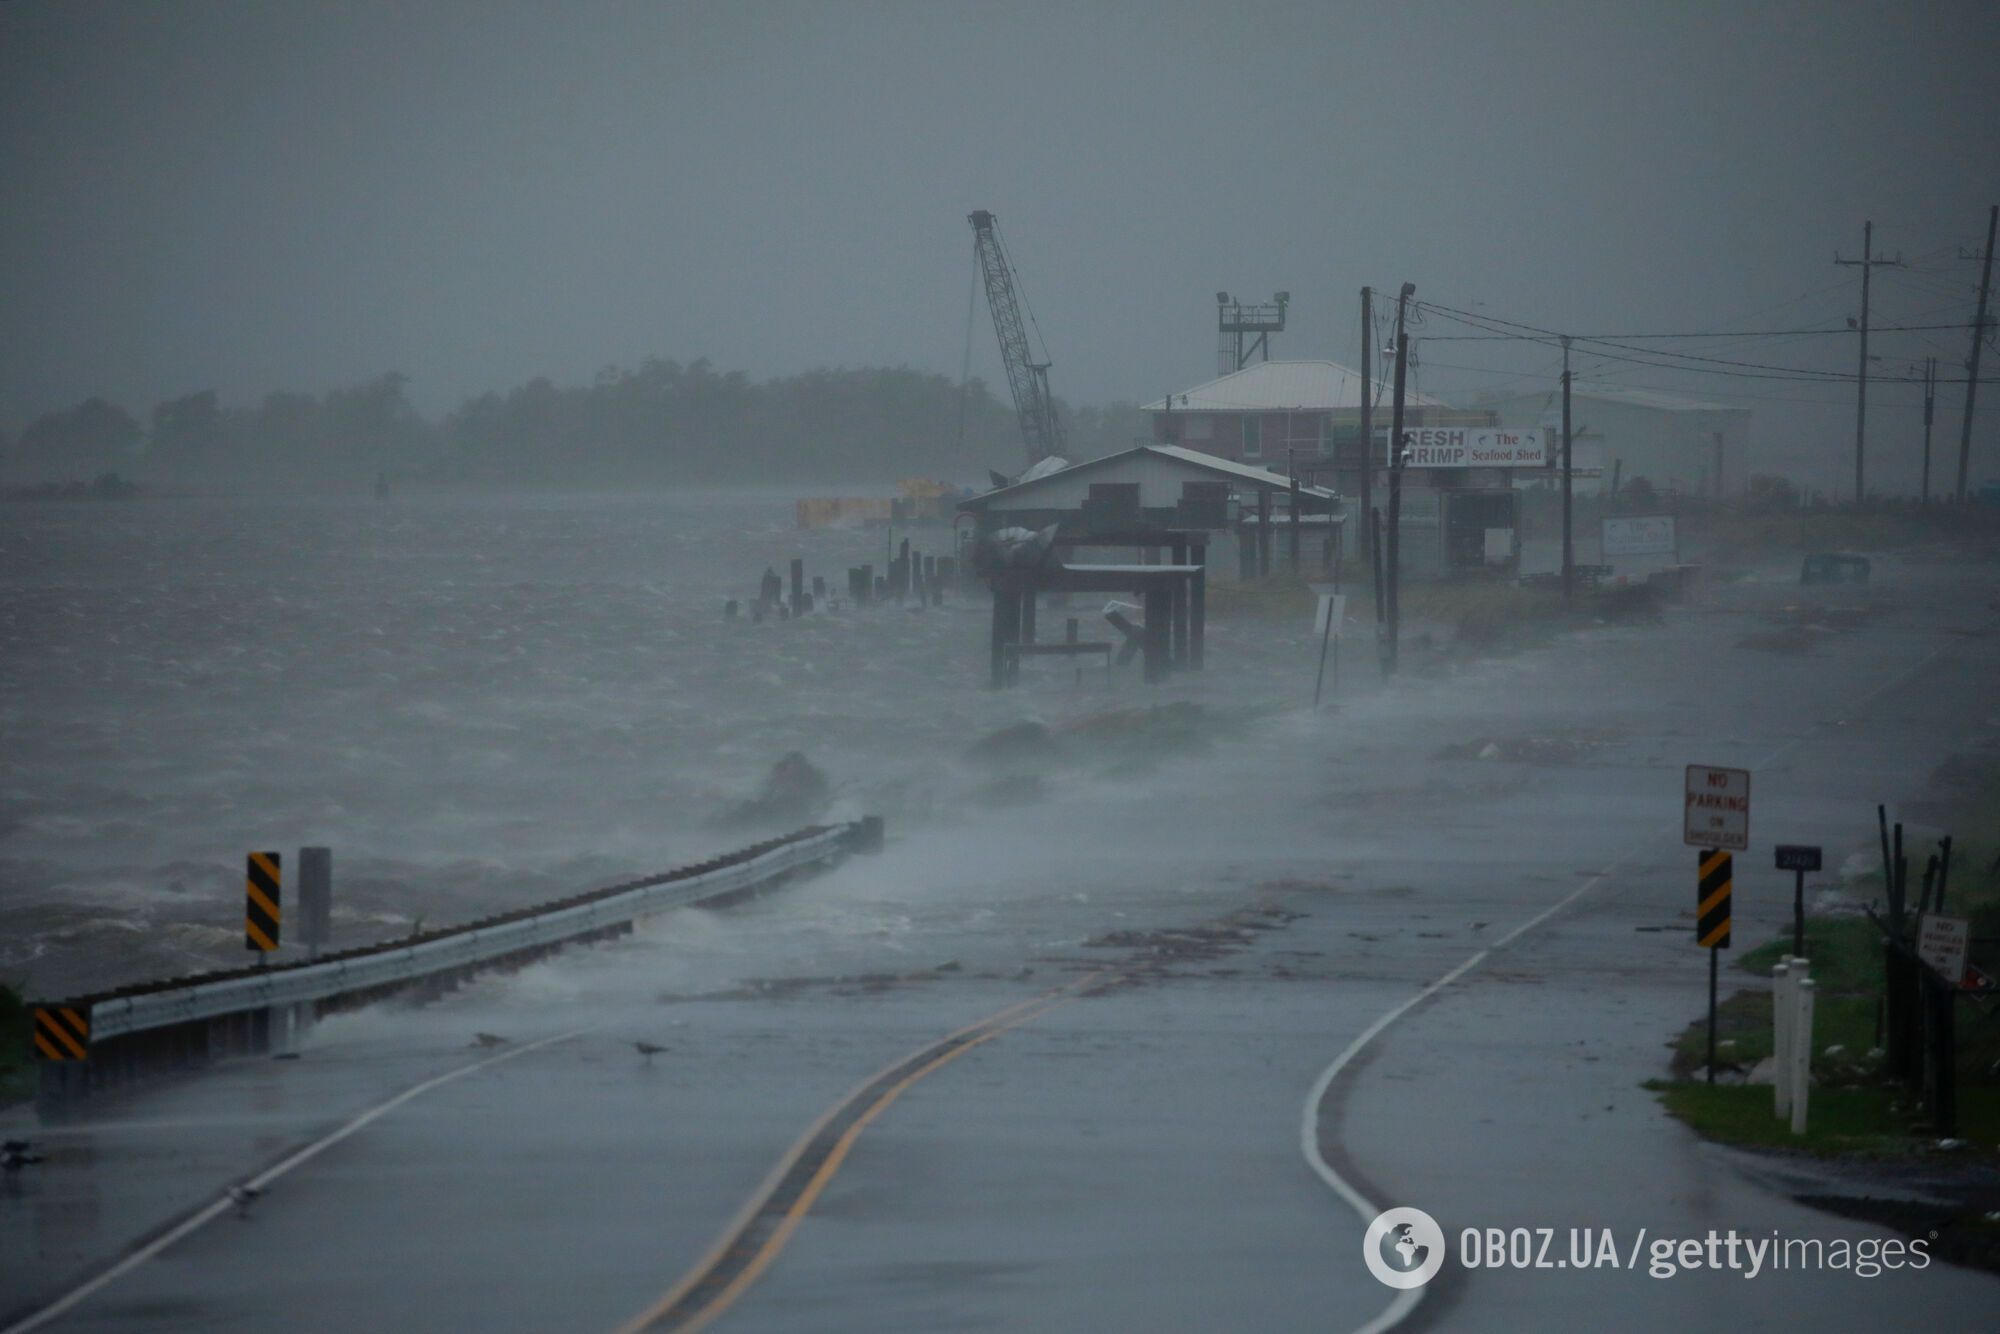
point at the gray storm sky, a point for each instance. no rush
(253, 197)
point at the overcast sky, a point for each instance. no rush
(261, 196)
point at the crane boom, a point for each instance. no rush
(1027, 378)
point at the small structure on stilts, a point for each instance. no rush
(1160, 509)
(1173, 593)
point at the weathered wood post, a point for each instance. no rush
(1005, 625)
(1295, 524)
(1182, 588)
(1159, 615)
(1263, 532)
(1198, 608)
(798, 585)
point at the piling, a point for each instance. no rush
(1158, 640)
(1198, 608)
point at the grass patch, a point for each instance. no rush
(1870, 1121)
(1854, 1110)
(1846, 952)
(1444, 620)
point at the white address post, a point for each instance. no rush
(1781, 1037)
(1802, 1045)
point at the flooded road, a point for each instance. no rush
(1227, 925)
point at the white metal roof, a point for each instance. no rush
(1658, 400)
(1279, 386)
(1238, 472)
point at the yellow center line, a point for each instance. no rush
(955, 1044)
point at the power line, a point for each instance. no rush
(1753, 370)
(1737, 333)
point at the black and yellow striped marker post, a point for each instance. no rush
(62, 1033)
(1711, 925)
(262, 897)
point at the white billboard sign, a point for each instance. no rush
(1717, 808)
(1943, 943)
(1332, 607)
(1640, 535)
(1474, 447)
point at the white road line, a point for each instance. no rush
(208, 1213)
(1406, 1301)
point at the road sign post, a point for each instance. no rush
(1332, 611)
(1798, 858)
(1711, 931)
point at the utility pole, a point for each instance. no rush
(1367, 421)
(1930, 403)
(1396, 480)
(1972, 363)
(1569, 558)
(1867, 261)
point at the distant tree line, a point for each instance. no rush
(663, 423)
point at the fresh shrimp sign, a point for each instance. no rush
(1473, 447)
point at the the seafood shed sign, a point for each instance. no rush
(1474, 447)
(1717, 808)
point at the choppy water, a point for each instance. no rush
(472, 700)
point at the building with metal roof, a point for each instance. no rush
(1153, 488)
(1282, 386)
(1305, 417)
(1623, 432)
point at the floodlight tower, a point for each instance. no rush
(1233, 320)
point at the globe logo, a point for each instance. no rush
(1403, 1247)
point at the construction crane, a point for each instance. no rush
(1041, 432)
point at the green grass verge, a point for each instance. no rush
(1853, 1109)
(1872, 1121)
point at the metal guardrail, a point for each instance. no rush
(376, 967)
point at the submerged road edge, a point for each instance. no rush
(207, 1213)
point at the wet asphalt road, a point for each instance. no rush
(1126, 1159)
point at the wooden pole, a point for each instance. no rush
(1293, 462)
(1569, 489)
(1367, 412)
(1396, 498)
(1972, 363)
